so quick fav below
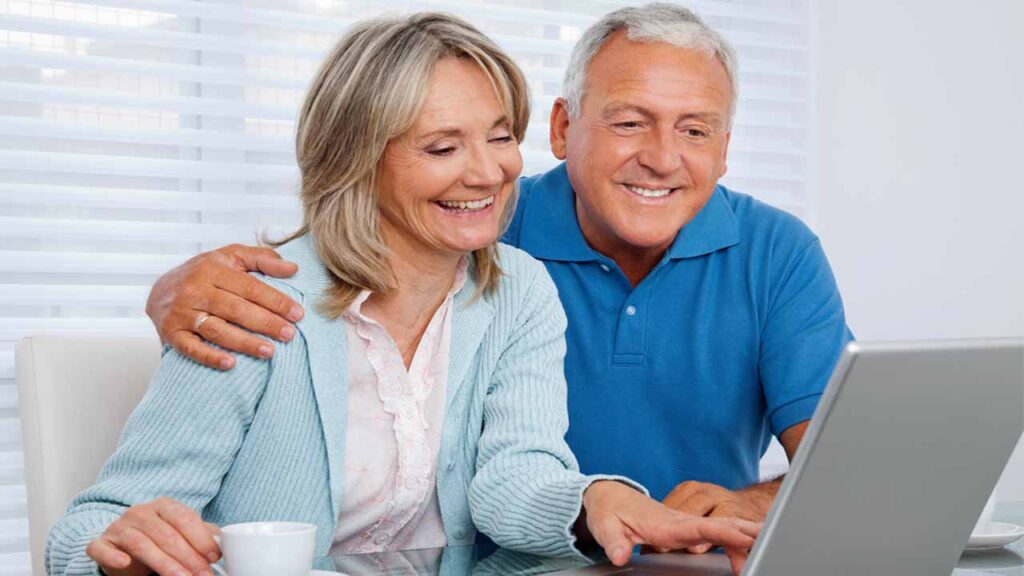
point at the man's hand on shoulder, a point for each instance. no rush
(208, 297)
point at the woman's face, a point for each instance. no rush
(444, 183)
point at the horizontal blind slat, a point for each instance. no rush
(31, 194)
(197, 138)
(68, 229)
(91, 263)
(160, 38)
(15, 329)
(138, 166)
(49, 295)
(51, 93)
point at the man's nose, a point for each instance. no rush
(661, 154)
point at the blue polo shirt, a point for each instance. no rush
(731, 337)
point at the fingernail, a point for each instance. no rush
(265, 351)
(287, 332)
(295, 313)
(212, 557)
(225, 363)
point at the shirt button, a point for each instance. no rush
(459, 534)
(380, 539)
(451, 464)
(630, 310)
(605, 268)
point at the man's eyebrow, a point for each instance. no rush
(619, 107)
(709, 117)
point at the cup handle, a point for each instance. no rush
(217, 567)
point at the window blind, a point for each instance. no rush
(136, 133)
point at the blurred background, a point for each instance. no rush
(137, 133)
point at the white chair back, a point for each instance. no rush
(74, 393)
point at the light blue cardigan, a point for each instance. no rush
(265, 440)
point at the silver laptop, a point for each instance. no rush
(907, 443)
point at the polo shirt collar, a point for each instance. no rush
(551, 231)
(712, 229)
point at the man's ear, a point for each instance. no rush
(559, 125)
(725, 154)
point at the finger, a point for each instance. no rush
(681, 493)
(722, 511)
(226, 335)
(699, 549)
(274, 265)
(724, 533)
(752, 529)
(170, 541)
(190, 526)
(688, 532)
(143, 549)
(733, 510)
(614, 538)
(699, 504)
(257, 259)
(192, 346)
(106, 555)
(737, 558)
(279, 308)
(248, 314)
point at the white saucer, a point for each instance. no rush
(999, 534)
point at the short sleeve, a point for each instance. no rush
(803, 335)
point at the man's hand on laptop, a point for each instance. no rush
(618, 518)
(207, 298)
(713, 501)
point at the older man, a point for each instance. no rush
(701, 321)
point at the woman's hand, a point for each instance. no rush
(619, 518)
(162, 536)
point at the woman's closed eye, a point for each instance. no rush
(446, 150)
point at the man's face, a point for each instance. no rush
(649, 145)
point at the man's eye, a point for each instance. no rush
(696, 133)
(630, 124)
(503, 139)
(445, 151)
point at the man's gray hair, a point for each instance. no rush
(655, 22)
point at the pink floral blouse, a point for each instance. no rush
(393, 434)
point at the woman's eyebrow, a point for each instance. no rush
(456, 131)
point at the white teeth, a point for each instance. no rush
(469, 205)
(648, 192)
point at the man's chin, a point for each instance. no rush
(646, 240)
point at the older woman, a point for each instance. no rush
(424, 398)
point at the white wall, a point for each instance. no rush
(918, 168)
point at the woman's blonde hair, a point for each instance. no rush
(368, 91)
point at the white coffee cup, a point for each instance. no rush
(267, 549)
(982, 526)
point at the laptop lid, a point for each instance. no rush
(903, 450)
